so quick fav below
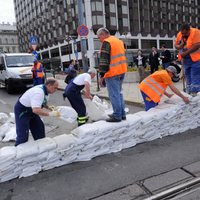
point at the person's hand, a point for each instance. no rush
(183, 54)
(54, 114)
(186, 100)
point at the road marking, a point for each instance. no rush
(2, 101)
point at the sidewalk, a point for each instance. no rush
(131, 91)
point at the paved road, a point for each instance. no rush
(134, 168)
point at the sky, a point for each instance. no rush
(7, 13)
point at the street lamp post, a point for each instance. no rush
(68, 39)
(83, 40)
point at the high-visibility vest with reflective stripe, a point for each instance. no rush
(195, 56)
(152, 87)
(39, 74)
(118, 63)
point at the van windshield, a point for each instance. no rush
(19, 61)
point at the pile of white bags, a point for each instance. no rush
(7, 127)
(98, 138)
(96, 109)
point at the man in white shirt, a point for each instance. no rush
(28, 109)
(73, 93)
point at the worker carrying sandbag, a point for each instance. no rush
(73, 93)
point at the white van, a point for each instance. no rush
(15, 70)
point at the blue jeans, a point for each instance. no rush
(148, 104)
(114, 87)
(192, 75)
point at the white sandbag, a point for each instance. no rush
(67, 159)
(31, 170)
(85, 130)
(45, 144)
(27, 149)
(93, 111)
(65, 142)
(3, 129)
(8, 177)
(147, 117)
(101, 104)
(7, 153)
(3, 118)
(12, 118)
(10, 134)
(67, 113)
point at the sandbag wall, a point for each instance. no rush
(98, 138)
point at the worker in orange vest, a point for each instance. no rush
(188, 44)
(38, 73)
(153, 87)
(113, 64)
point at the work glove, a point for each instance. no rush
(52, 107)
(54, 114)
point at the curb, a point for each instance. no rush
(133, 103)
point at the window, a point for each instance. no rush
(112, 8)
(125, 22)
(124, 9)
(113, 21)
(148, 44)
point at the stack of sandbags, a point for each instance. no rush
(98, 138)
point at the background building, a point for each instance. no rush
(8, 38)
(140, 23)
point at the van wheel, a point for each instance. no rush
(8, 88)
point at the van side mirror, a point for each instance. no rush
(2, 66)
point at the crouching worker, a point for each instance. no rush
(28, 109)
(153, 87)
(73, 93)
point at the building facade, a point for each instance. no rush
(142, 24)
(8, 38)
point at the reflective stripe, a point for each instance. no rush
(83, 118)
(153, 88)
(155, 83)
(118, 63)
(117, 56)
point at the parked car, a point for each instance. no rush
(15, 70)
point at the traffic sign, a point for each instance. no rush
(33, 40)
(82, 30)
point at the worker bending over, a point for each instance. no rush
(153, 87)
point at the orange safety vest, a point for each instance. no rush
(195, 56)
(39, 74)
(118, 63)
(152, 87)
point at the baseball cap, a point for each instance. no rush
(172, 69)
(92, 70)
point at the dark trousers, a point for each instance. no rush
(26, 120)
(73, 93)
(38, 81)
(154, 68)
